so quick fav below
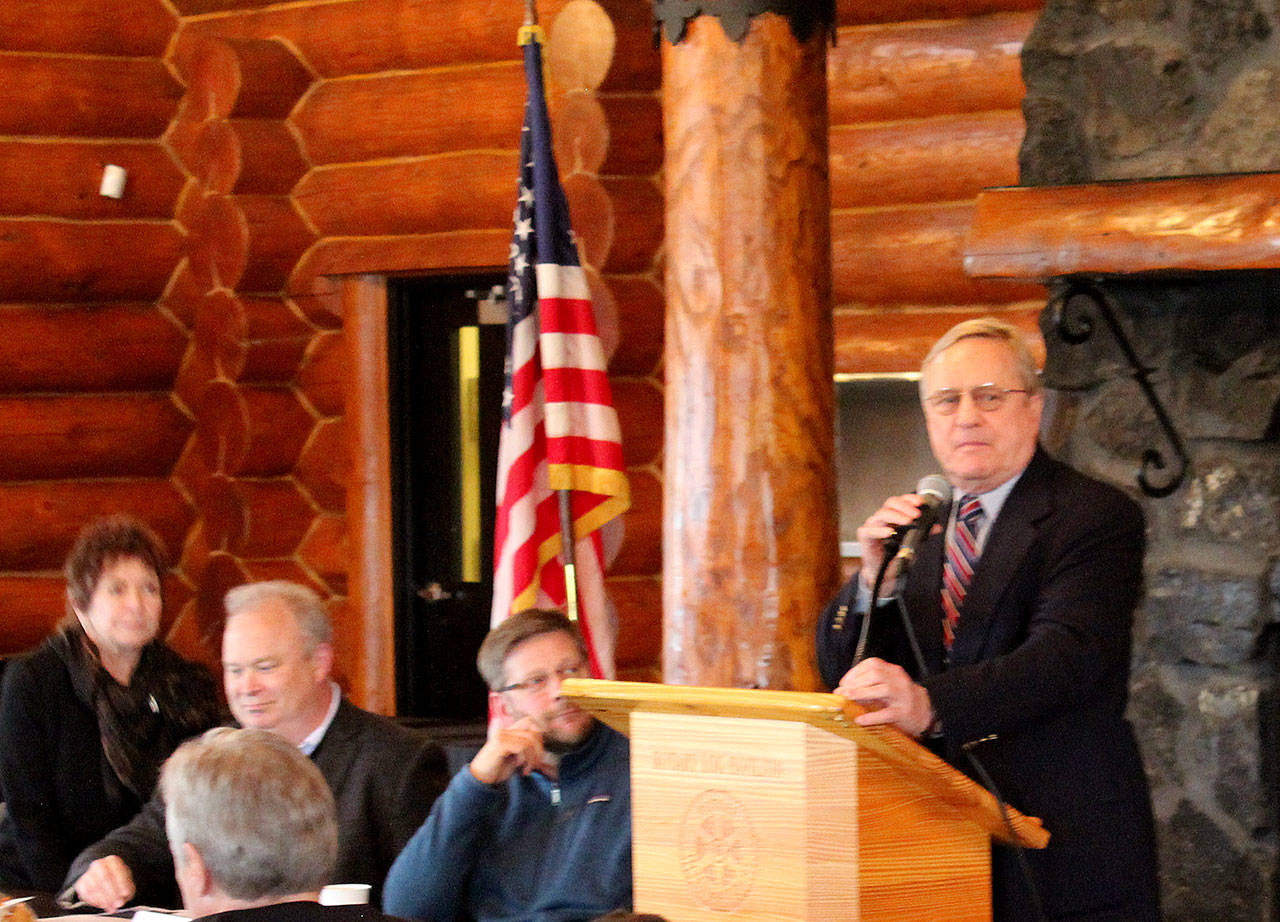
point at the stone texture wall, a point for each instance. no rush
(1204, 681)
(1120, 89)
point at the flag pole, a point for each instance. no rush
(567, 549)
(567, 552)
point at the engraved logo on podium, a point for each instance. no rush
(718, 851)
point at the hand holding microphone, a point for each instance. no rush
(897, 528)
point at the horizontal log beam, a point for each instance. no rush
(41, 520)
(55, 260)
(247, 243)
(323, 377)
(255, 518)
(113, 347)
(926, 160)
(323, 468)
(638, 222)
(640, 417)
(276, 338)
(316, 294)
(860, 12)
(85, 96)
(636, 66)
(449, 192)
(879, 257)
(251, 340)
(630, 314)
(325, 550)
(638, 601)
(100, 435)
(60, 178)
(882, 341)
(369, 118)
(251, 431)
(247, 156)
(916, 70)
(198, 7)
(635, 135)
(394, 34)
(1202, 223)
(277, 237)
(240, 78)
(641, 551)
(133, 28)
(36, 604)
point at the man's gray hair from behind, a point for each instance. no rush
(256, 809)
(990, 328)
(305, 605)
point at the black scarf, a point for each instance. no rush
(166, 701)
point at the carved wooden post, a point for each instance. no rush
(749, 542)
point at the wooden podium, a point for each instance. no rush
(776, 806)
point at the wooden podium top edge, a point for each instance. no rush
(612, 702)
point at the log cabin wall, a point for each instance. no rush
(925, 102)
(274, 147)
(328, 139)
(88, 421)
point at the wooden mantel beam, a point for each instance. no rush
(1187, 224)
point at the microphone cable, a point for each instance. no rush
(984, 777)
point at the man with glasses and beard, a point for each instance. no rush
(538, 826)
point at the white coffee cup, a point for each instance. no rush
(344, 894)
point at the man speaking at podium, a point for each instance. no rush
(1020, 599)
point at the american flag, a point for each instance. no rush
(559, 429)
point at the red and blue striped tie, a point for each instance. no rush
(957, 567)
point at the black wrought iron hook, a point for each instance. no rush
(1071, 321)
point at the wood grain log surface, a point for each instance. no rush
(33, 605)
(857, 12)
(629, 314)
(749, 520)
(325, 550)
(64, 261)
(60, 178)
(922, 69)
(910, 255)
(250, 156)
(240, 77)
(890, 341)
(394, 34)
(322, 468)
(944, 159)
(85, 96)
(446, 193)
(92, 347)
(57, 437)
(42, 519)
(251, 431)
(323, 375)
(121, 28)
(641, 551)
(385, 115)
(255, 518)
(1201, 223)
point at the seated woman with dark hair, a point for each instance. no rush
(87, 718)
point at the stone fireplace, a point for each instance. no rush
(1151, 202)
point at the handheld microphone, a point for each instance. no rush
(936, 492)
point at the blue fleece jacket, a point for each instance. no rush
(528, 850)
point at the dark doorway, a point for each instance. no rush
(446, 342)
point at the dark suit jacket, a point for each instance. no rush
(384, 780)
(300, 911)
(1037, 684)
